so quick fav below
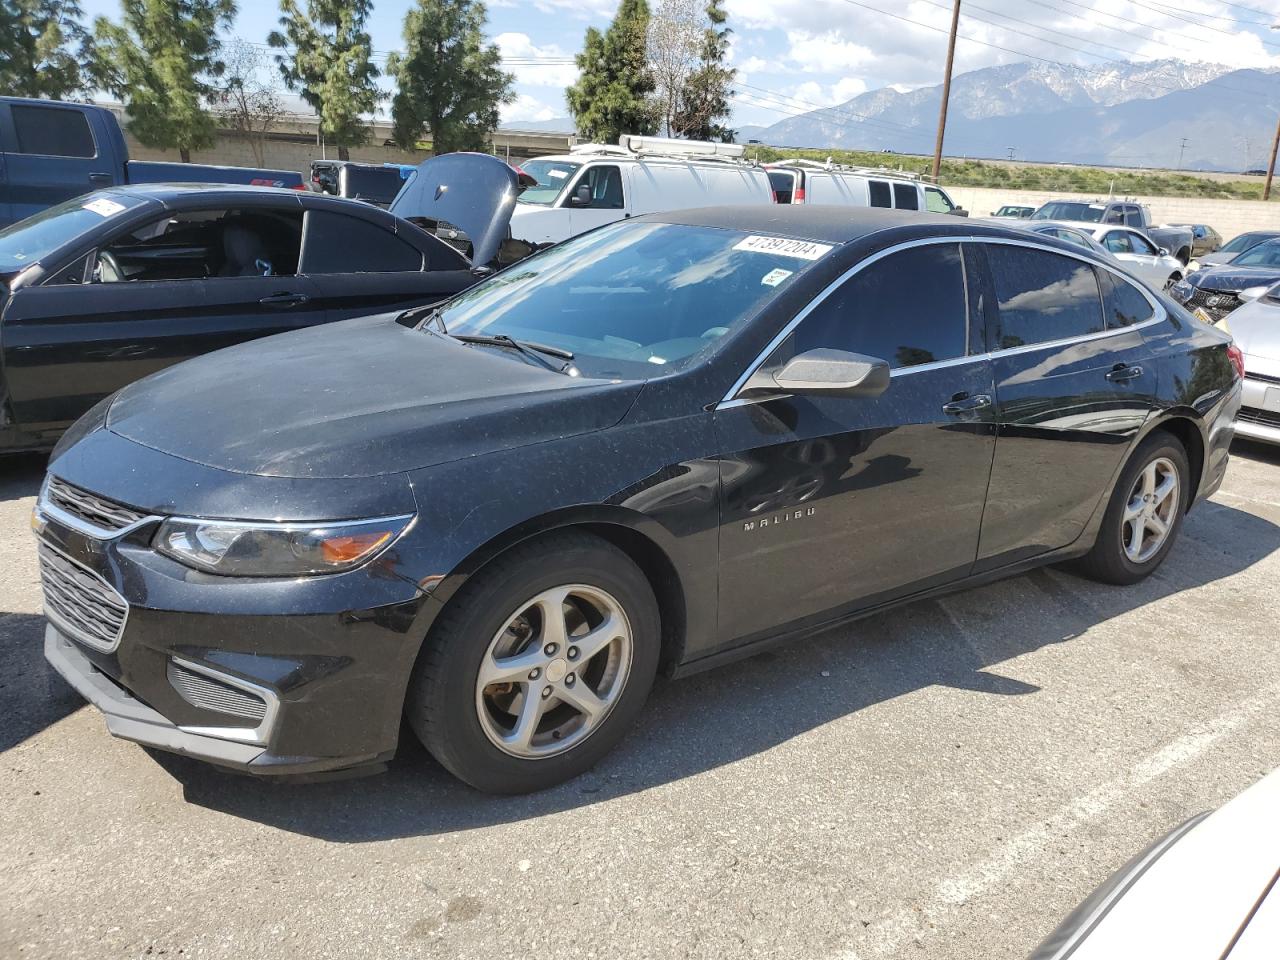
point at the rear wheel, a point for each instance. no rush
(1145, 513)
(539, 666)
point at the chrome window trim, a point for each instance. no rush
(46, 509)
(71, 631)
(259, 735)
(731, 399)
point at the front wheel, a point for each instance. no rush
(1145, 513)
(539, 665)
(1173, 279)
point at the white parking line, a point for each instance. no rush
(886, 937)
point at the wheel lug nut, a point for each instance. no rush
(546, 692)
(550, 649)
(573, 653)
(570, 679)
(535, 673)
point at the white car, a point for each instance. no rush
(1134, 249)
(1255, 327)
(1208, 890)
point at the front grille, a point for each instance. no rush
(1216, 303)
(207, 693)
(1265, 418)
(79, 602)
(96, 511)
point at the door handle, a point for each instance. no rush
(1122, 372)
(101, 178)
(964, 404)
(284, 300)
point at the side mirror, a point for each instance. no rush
(1164, 251)
(1252, 293)
(823, 372)
(581, 196)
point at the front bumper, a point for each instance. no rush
(1259, 416)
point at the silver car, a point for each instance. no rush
(1255, 326)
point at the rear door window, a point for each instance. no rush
(880, 193)
(886, 310)
(1133, 216)
(905, 196)
(52, 132)
(1042, 296)
(336, 243)
(1126, 304)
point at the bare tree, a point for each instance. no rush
(248, 104)
(675, 38)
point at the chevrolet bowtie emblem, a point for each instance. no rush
(440, 191)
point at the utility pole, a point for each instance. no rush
(1182, 150)
(946, 90)
(1011, 152)
(1271, 167)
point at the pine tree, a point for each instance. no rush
(611, 96)
(704, 103)
(42, 47)
(162, 60)
(326, 59)
(450, 82)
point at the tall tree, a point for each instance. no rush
(611, 96)
(326, 59)
(162, 60)
(42, 47)
(247, 103)
(674, 48)
(450, 82)
(704, 101)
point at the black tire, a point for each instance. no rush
(441, 702)
(1173, 278)
(1107, 561)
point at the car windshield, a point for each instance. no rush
(551, 175)
(1076, 210)
(1263, 255)
(634, 299)
(1242, 242)
(31, 240)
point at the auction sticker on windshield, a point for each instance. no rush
(801, 249)
(103, 207)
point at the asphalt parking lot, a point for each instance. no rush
(948, 780)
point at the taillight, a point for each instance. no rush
(298, 186)
(798, 195)
(1236, 357)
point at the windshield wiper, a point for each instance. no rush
(535, 351)
(414, 315)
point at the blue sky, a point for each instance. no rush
(796, 55)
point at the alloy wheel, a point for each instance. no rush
(1151, 511)
(554, 671)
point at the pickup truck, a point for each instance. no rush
(52, 151)
(1177, 240)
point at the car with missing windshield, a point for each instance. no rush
(105, 289)
(667, 443)
(1215, 291)
(1255, 328)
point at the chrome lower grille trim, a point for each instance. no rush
(209, 693)
(80, 603)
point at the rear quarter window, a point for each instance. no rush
(1126, 305)
(334, 243)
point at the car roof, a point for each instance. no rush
(823, 223)
(164, 192)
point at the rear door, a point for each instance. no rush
(50, 156)
(1072, 391)
(360, 266)
(835, 503)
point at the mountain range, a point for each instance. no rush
(1122, 114)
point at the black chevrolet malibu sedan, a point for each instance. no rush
(658, 446)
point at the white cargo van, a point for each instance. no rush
(807, 181)
(595, 184)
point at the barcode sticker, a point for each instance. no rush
(103, 207)
(782, 246)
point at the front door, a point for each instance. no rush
(1072, 390)
(830, 504)
(597, 197)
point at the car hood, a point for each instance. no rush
(362, 398)
(1255, 327)
(471, 191)
(1215, 259)
(1234, 278)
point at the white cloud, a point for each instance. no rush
(529, 108)
(846, 88)
(825, 52)
(558, 72)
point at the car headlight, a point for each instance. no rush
(1193, 266)
(254, 549)
(1182, 289)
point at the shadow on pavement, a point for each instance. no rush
(21, 474)
(716, 718)
(32, 695)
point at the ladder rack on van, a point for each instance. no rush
(884, 172)
(662, 148)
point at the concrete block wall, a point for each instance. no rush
(230, 151)
(1228, 217)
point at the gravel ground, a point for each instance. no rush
(948, 781)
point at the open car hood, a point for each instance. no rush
(472, 191)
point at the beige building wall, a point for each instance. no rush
(1228, 217)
